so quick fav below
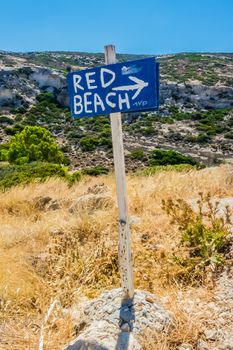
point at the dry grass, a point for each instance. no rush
(186, 330)
(48, 255)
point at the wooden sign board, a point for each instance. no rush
(113, 89)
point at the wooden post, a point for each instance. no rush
(124, 249)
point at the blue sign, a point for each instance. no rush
(121, 87)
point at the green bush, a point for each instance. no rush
(137, 154)
(106, 132)
(21, 174)
(95, 171)
(24, 70)
(46, 97)
(6, 120)
(105, 141)
(34, 143)
(4, 148)
(149, 130)
(203, 138)
(74, 177)
(229, 135)
(203, 233)
(13, 130)
(89, 143)
(170, 157)
(166, 120)
(151, 170)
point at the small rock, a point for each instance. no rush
(41, 202)
(202, 345)
(210, 334)
(109, 309)
(97, 189)
(149, 299)
(134, 220)
(185, 346)
(91, 202)
(125, 327)
(227, 346)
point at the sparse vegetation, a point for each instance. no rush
(151, 170)
(229, 135)
(52, 253)
(203, 234)
(13, 175)
(95, 171)
(138, 154)
(170, 157)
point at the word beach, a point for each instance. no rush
(121, 87)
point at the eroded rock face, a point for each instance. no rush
(113, 324)
(30, 81)
(18, 87)
(7, 97)
(196, 94)
(47, 78)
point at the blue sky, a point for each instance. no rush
(134, 26)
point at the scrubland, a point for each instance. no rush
(58, 246)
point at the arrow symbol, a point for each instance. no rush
(140, 84)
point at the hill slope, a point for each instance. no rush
(192, 86)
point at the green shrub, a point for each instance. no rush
(24, 70)
(46, 97)
(212, 121)
(74, 177)
(203, 138)
(21, 174)
(106, 132)
(4, 148)
(181, 116)
(149, 130)
(229, 135)
(167, 120)
(89, 143)
(104, 141)
(3, 155)
(95, 171)
(151, 170)
(137, 154)
(6, 120)
(170, 157)
(175, 136)
(13, 130)
(34, 143)
(203, 233)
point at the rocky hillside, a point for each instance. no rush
(195, 117)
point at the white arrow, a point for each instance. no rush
(140, 84)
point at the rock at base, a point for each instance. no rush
(106, 326)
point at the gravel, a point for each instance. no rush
(113, 324)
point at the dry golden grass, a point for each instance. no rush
(48, 255)
(185, 330)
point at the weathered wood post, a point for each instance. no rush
(124, 249)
